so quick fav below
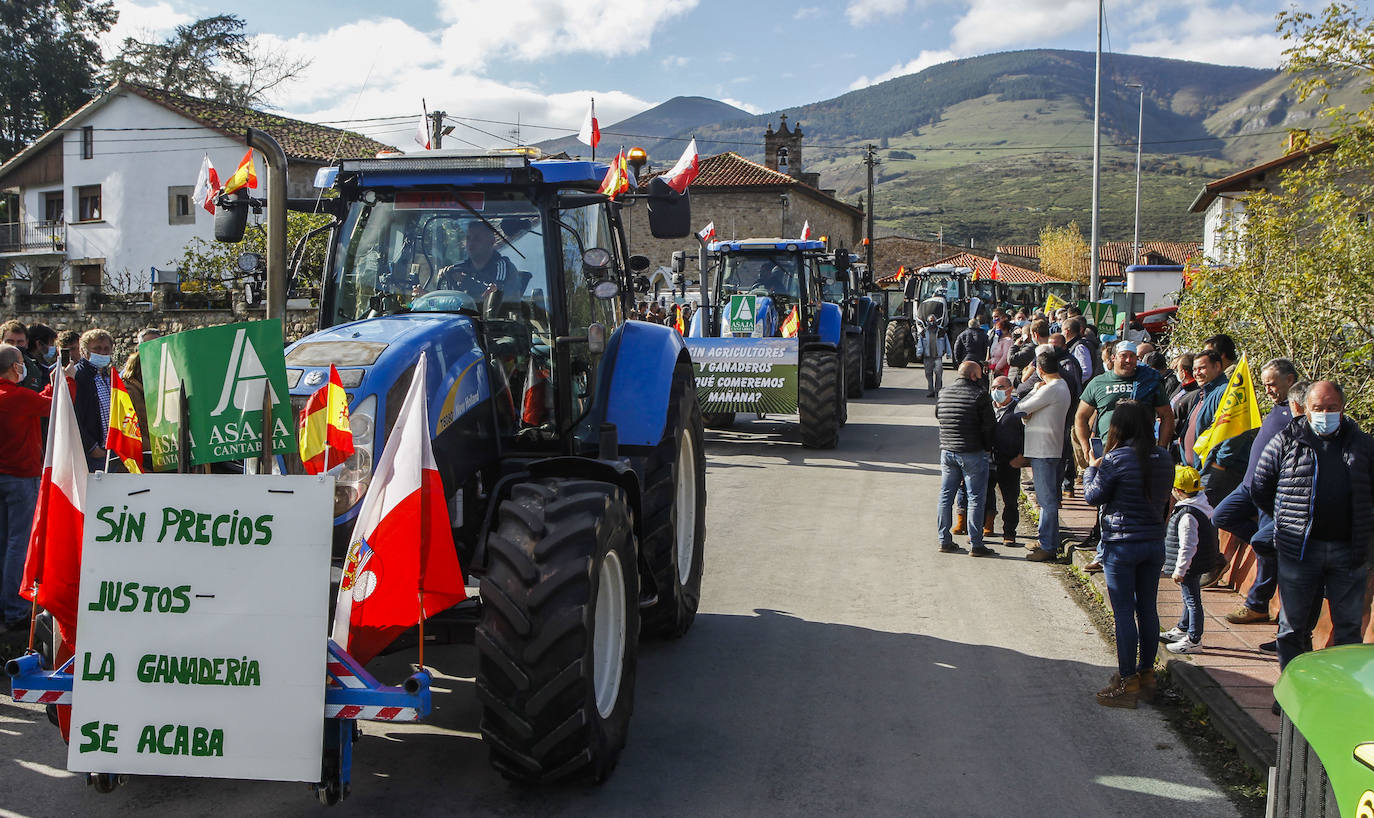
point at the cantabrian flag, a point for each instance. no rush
(245, 176)
(1237, 413)
(617, 179)
(325, 437)
(792, 325)
(124, 440)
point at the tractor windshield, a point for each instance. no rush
(773, 274)
(936, 284)
(441, 251)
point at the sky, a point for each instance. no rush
(539, 62)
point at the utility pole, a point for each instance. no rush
(436, 129)
(1139, 143)
(870, 159)
(1094, 284)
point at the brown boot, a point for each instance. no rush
(960, 524)
(988, 522)
(1120, 692)
(1149, 685)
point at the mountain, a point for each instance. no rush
(1273, 106)
(654, 129)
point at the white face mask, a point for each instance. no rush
(999, 395)
(23, 371)
(98, 360)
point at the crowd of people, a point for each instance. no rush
(1123, 419)
(33, 359)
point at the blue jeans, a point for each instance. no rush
(18, 497)
(1132, 573)
(969, 469)
(1192, 618)
(1334, 570)
(1045, 471)
(1266, 580)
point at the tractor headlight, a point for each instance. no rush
(356, 474)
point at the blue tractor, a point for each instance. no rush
(766, 341)
(847, 282)
(568, 438)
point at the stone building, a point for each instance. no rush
(745, 199)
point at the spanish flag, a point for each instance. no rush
(677, 320)
(124, 439)
(617, 179)
(245, 176)
(325, 437)
(1237, 413)
(792, 324)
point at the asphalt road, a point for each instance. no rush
(840, 666)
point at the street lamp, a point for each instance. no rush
(1139, 141)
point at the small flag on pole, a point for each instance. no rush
(326, 440)
(685, 171)
(996, 274)
(207, 183)
(806, 230)
(708, 232)
(124, 439)
(792, 324)
(590, 132)
(245, 176)
(421, 136)
(617, 179)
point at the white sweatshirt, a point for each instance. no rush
(1188, 532)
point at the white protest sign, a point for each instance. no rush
(202, 626)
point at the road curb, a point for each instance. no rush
(1253, 743)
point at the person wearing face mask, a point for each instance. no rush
(1008, 458)
(16, 335)
(92, 398)
(43, 349)
(1316, 480)
(21, 464)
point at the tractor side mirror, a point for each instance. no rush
(231, 217)
(679, 261)
(670, 212)
(841, 259)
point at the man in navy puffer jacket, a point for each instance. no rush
(1316, 479)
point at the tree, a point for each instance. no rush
(49, 59)
(1062, 253)
(206, 265)
(1302, 285)
(210, 58)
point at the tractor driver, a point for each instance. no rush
(484, 271)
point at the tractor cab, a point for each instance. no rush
(775, 278)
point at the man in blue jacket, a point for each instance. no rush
(1316, 479)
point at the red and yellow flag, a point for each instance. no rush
(617, 179)
(325, 437)
(245, 176)
(678, 323)
(792, 324)
(124, 439)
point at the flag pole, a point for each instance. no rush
(109, 420)
(593, 120)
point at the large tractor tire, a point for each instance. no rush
(853, 366)
(1301, 786)
(820, 397)
(559, 632)
(873, 354)
(674, 509)
(894, 344)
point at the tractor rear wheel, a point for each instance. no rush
(894, 344)
(873, 354)
(819, 398)
(853, 366)
(674, 509)
(559, 632)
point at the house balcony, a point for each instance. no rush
(33, 238)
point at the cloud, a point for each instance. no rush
(538, 29)
(1227, 35)
(142, 21)
(750, 107)
(806, 12)
(923, 61)
(863, 12)
(675, 62)
(991, 24)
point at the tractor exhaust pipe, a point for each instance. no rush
(275, 158)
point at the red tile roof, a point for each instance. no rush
(1240, 180)
(982, 267)
(1119, 252)
(730, 170)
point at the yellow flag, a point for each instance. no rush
(1237, 413)
(1054, 302)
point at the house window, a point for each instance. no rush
(87, 142)
(52, 207)
(88, 203)
(87, 274)
(179, 210)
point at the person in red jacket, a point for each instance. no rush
(21, 465)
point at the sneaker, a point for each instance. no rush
(1120, 692)
(981, 551)
(1245, 615)
(1271, 648)
(948, 548)
(1184, 645)
(1173, 635)
(1041, 555)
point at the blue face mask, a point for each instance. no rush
(98, 360)
(999, 395)
(1324, 423)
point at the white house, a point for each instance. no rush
(105, 197)
(1222, 201)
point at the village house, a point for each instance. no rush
(104, 198)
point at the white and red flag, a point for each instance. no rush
(401, 562)
(422, 132)
(806, 230)
(996, 273)
(708, 232)
(590, 132)
(52, 568)
(686, 169)
(207, 184)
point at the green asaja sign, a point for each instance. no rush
(226, 371)
(742, 312)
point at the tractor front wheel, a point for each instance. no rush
(853, 366)
(820, 396)
(873, 354)
(894, 344)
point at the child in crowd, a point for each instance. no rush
(1190, 550)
